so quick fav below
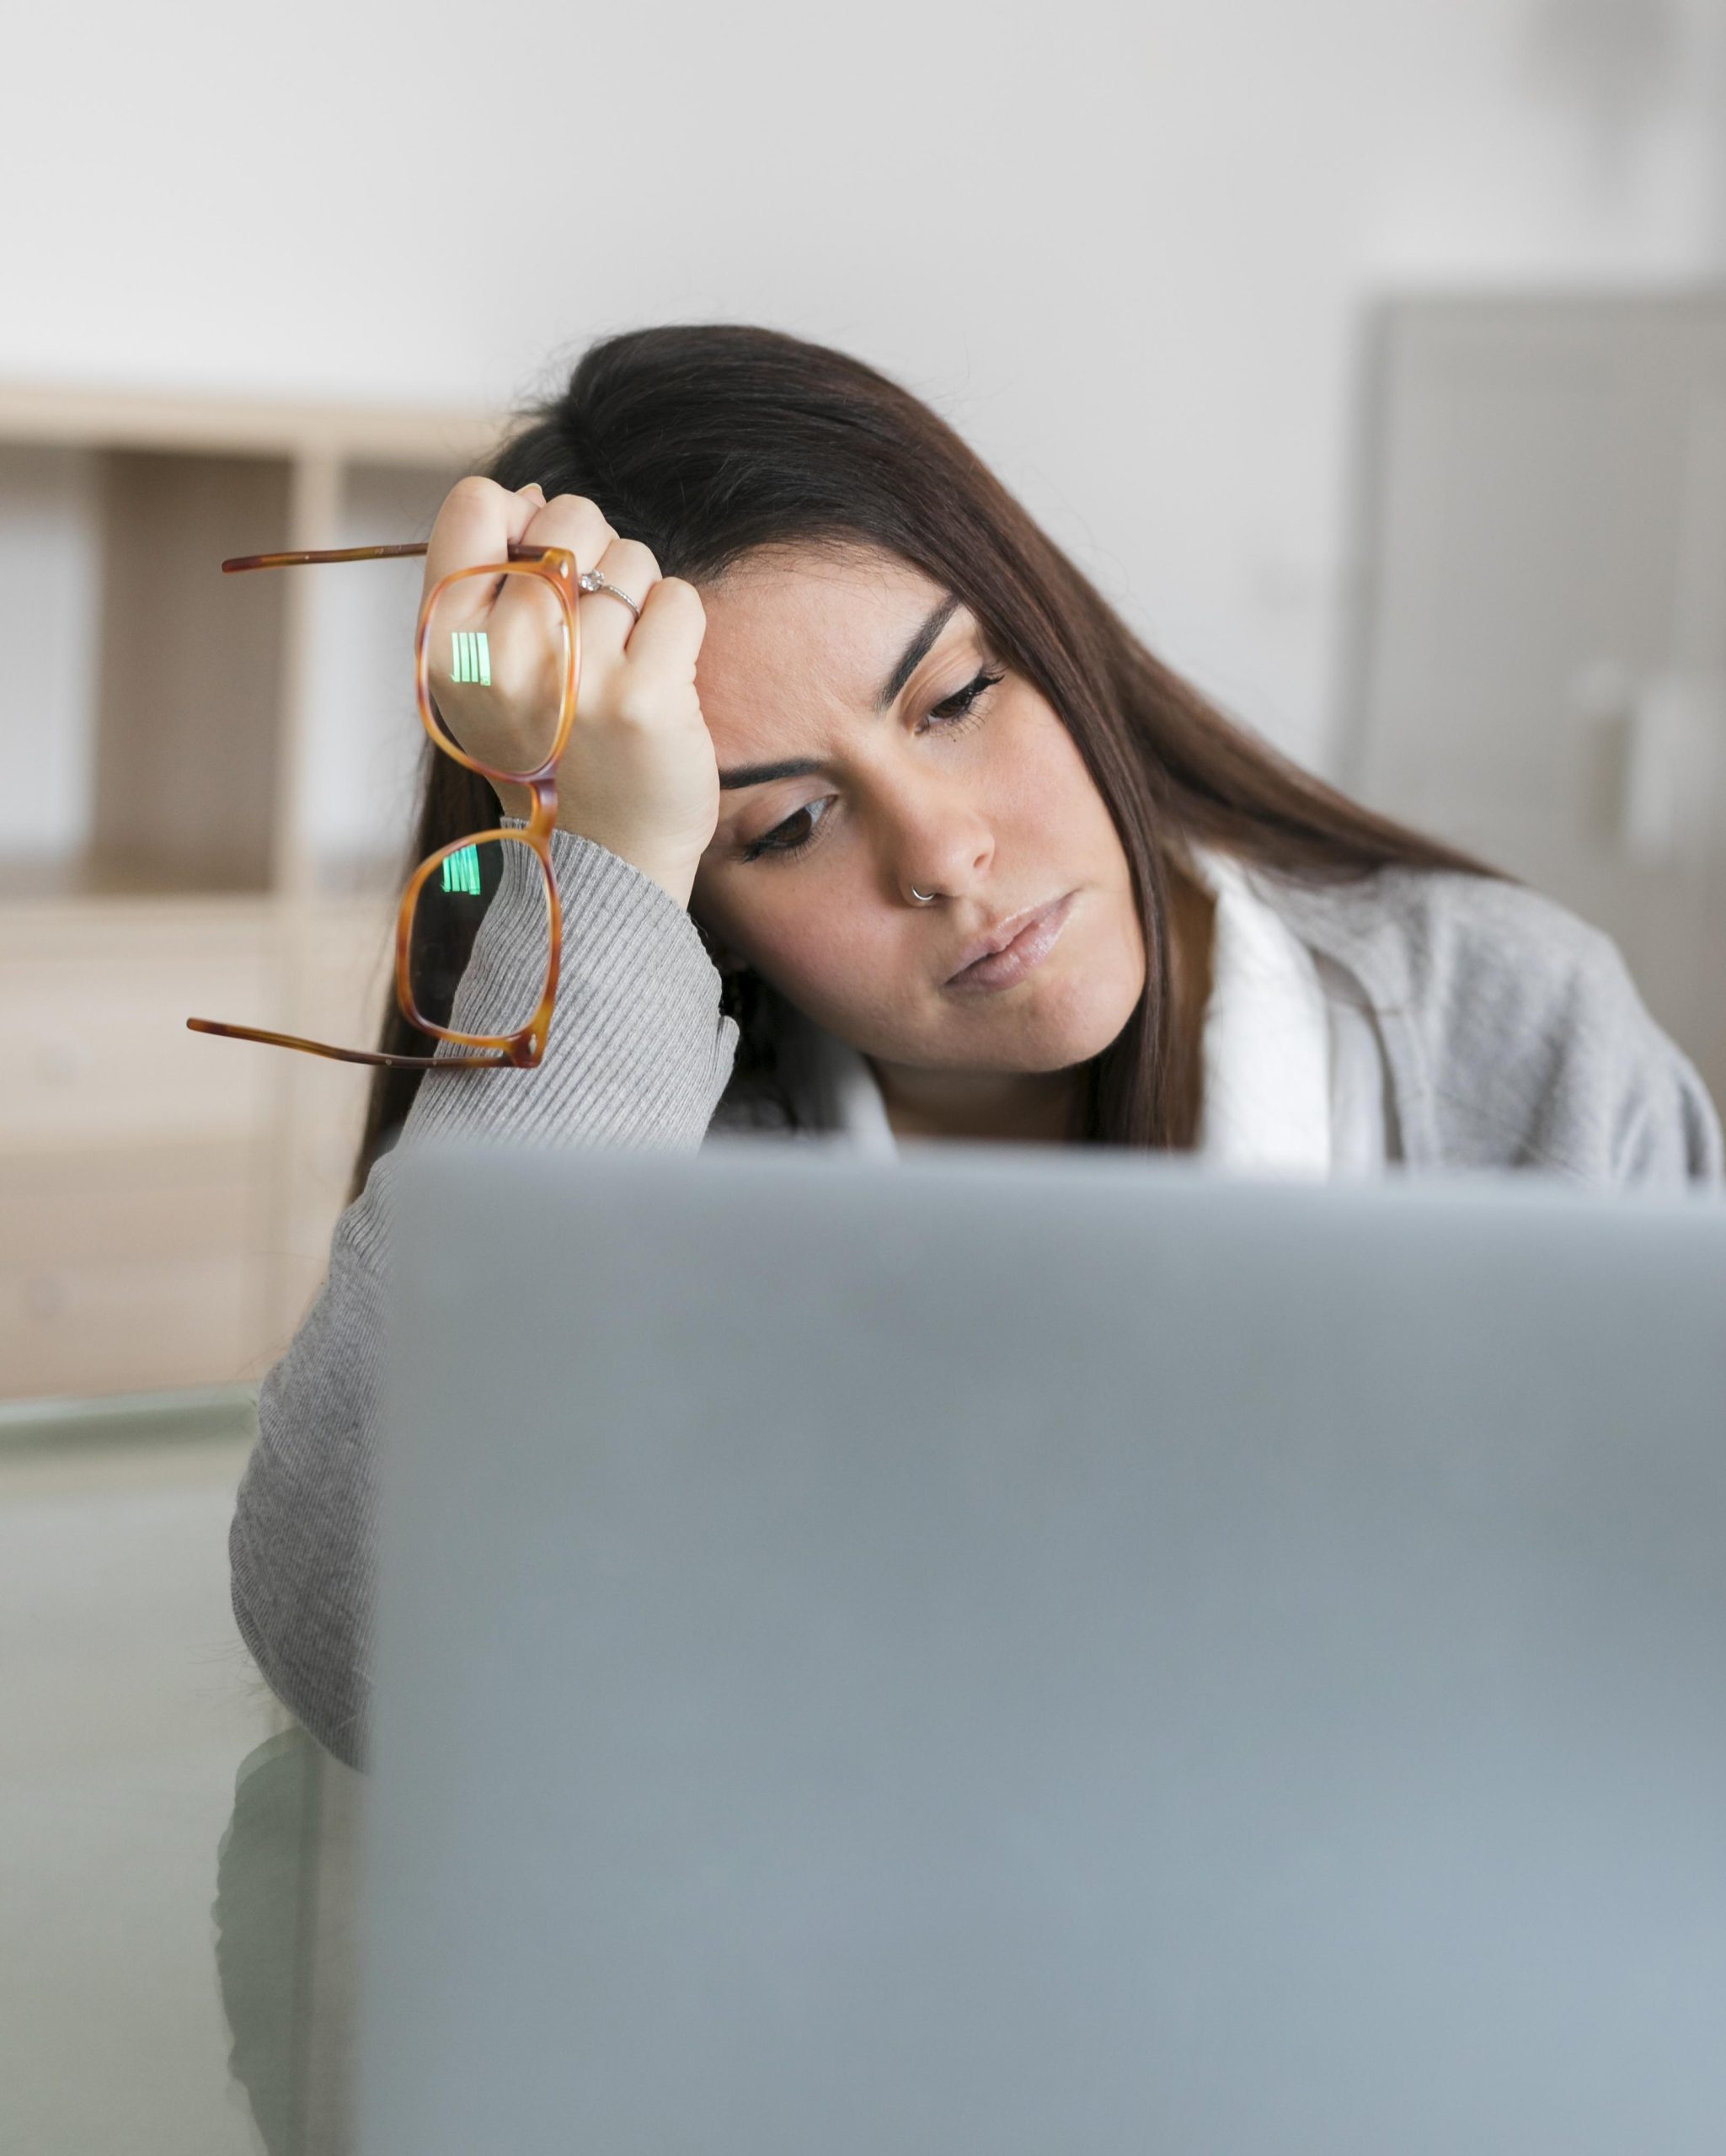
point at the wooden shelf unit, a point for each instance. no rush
(169, 1196)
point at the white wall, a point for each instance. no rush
(1123, 247)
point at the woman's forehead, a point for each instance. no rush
(789, 631)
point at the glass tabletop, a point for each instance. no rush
(178, 1857)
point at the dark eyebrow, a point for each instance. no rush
(918, 649)
(915, 652)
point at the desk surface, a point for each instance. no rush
(175, 1854)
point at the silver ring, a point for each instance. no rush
(923, 898)
(591, 580)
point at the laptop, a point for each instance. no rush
(1020, 1651)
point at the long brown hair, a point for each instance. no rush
(706, 441)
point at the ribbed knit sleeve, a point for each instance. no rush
(638, 1054)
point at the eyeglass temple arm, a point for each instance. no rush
(518, 553)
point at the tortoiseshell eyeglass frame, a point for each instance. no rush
(522, 1049)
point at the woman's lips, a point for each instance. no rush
(1029, 949)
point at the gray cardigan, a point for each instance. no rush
(1514, 1038)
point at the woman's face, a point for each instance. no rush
(991, 807)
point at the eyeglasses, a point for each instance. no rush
(501, 646)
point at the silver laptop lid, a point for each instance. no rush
(1030, 1651)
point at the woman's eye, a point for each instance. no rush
(958, 707)
(953, 711)
(776, 842)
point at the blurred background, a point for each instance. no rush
(1371, 357)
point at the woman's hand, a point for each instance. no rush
(638, 776)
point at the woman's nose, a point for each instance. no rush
(942, 846)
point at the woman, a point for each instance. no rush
(853, 721)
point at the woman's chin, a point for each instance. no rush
(1039, 1034)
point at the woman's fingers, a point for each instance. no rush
(495, 643)
(637, 773)
(570, 520)
(546, 523)
(667, 638)
(477, 523)
(606, 623)
(526, 605)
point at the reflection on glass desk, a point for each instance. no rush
(176, 1873)
(285, 1915)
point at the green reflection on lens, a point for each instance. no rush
(461, 872)
(470, 656)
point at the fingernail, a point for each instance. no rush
(533, 487)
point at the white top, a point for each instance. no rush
(1293, 1077)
